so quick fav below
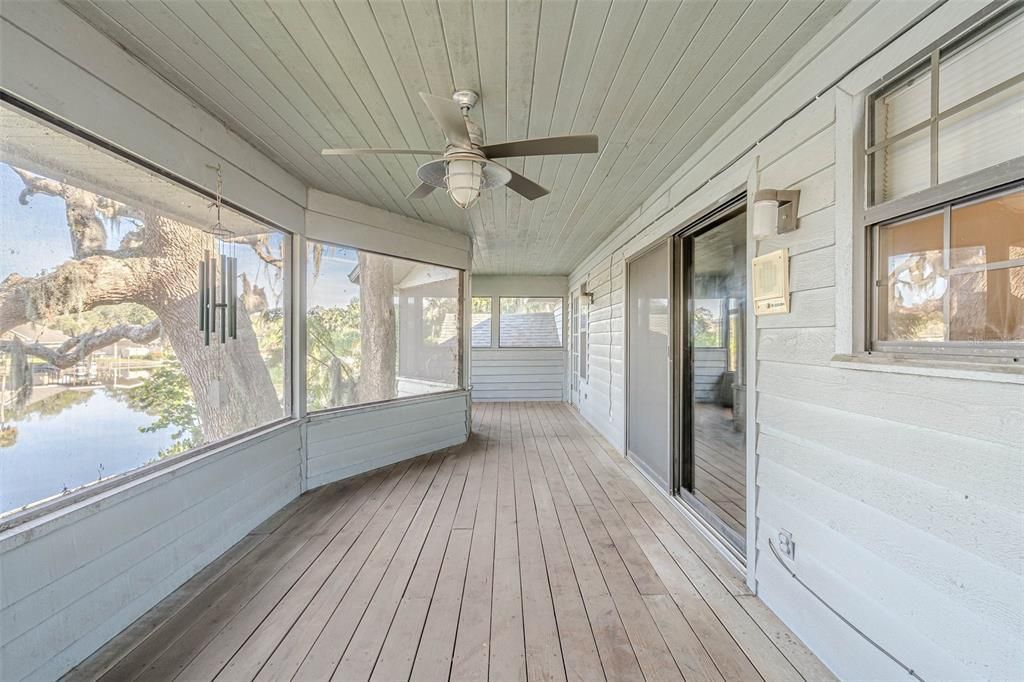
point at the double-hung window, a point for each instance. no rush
(944, 217)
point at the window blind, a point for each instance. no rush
(983, 135)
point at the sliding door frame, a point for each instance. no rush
(681, 408)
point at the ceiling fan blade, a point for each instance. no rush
(449, 116)
(539, 146)
(359, 152)
(524, 186)
(421, 191)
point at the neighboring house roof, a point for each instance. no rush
(529, 330)
(481, 329)
(523, 330)
(30, 332)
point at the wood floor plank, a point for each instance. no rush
(322, 659)
(543, 646)
(362, 652)
(398, 651)
(508, 646)
(532, 551)
(472, 643)
(436, 647)
(222, 649)
(652, 653)
(617, 656)
(579, 650)
(701, 638)
(286, 658)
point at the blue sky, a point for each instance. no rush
(332, 287)
(35, 237)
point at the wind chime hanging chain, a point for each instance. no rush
(227, 307)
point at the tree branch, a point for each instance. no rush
(83, 209)
(74, 286)
(261, 245)
(77, 349)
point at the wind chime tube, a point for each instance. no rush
(202, 295)
(223, 298)
(211, 293)
(233, 297)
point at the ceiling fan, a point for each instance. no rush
(466, 166)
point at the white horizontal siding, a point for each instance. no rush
(351, 442)
(708, 366)
(74, 579)
(525, 374)
(904, 493)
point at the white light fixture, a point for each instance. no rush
(464, 179)
(463, 174)
(775, 211)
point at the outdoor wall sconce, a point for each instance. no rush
(588, 294)
(775, 211)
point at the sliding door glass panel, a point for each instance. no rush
(648, 430)
(717, 308)
(104, 366)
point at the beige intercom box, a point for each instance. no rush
(771, 283)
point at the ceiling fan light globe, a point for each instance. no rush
(463, 180)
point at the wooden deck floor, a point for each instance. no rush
(720, 471)
(533, 551)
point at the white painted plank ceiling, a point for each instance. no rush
(652, 78)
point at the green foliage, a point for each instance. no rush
(482, 305)
(707, 329)
(268, 326)
(332, 351)
(102, 317)
(166, 395)
(435, 310)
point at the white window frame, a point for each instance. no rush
(855, 119)
(493, 334)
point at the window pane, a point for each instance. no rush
(708, 327)
(987, 306)
(902, 168)
(981, 64)
(108, 369)
(481, 322)
(910, 298)
(902, 105)
(990, 231)
(530, 323)
(378, 327)
(984, 135)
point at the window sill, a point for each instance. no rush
(333, 412)
(932, 367)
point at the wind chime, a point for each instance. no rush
(227, 307)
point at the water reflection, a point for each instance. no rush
(72, 436)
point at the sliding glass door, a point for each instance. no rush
(711, 417)
(648, 426)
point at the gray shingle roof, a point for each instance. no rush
(529, 330)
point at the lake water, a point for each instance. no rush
(97, 437)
